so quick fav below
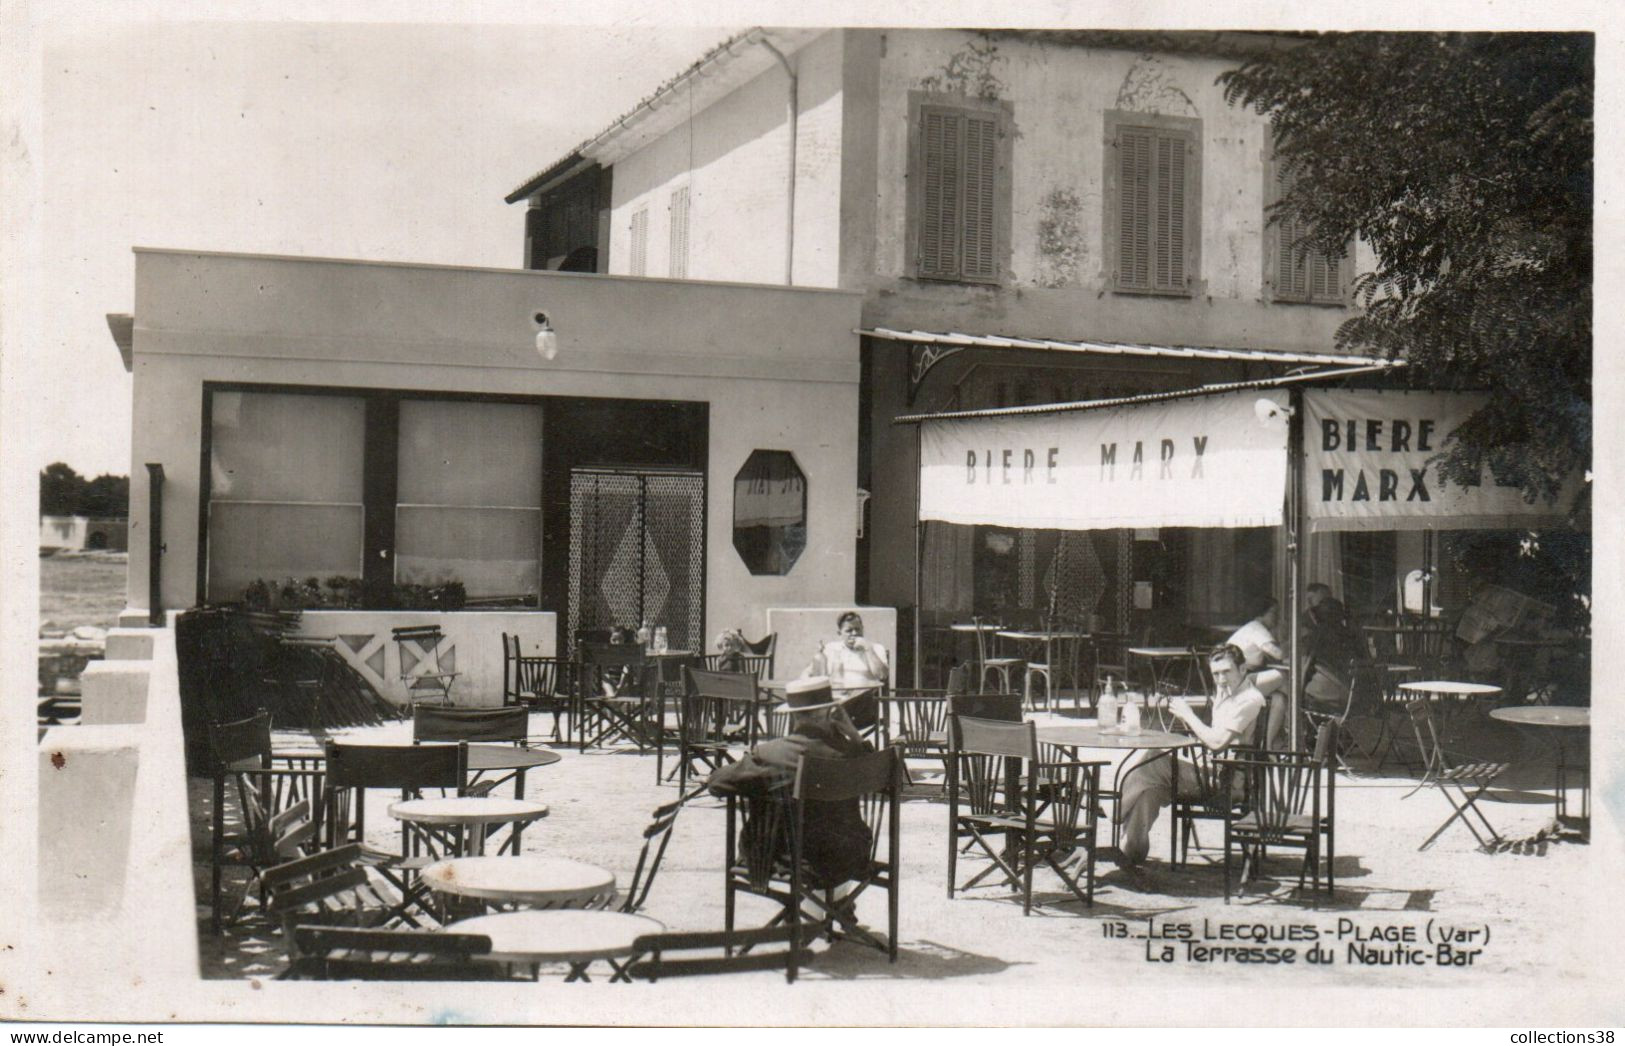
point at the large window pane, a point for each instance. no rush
(468, 496)
(285, 474)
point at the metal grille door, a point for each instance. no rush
(637, 552)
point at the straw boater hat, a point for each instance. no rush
(808, 695)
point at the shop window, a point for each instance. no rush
(959, 179)
(285, 489)
(1153, 195)
(770, 512)
(468, 498)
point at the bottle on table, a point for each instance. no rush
(644, 634)
(1106, 707)
(1131, 713)
(662, 641)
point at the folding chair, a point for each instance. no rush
(614, 687)
(763, 654)
(1461, 781)
(789, 958)
(922, 734)
(335, 953)
(421, 671)
(1041, 810)
(655, 838)
(273, 804)
(507, 724)
(327, 888)
(405, 770)
(717, 714)
(542, 684)
(768, 853)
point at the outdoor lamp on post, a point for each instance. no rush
(1268, 411)
(547, 339)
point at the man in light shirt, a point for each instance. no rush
(1149, 785)
(1256, 641)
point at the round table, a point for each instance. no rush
(471, 816)
(1161, 742)
(1443, 689)
(540, 882)
(1556, 722)
(573, 936)
(1163, 656)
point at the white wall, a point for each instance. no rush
(734, 157)
(777, 366)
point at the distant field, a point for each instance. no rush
(80, 590)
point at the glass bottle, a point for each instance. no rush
(1106, 707)
(644, 634)
(661, 640)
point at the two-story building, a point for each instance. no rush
(1031, 217)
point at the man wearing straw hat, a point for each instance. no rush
(836, 841)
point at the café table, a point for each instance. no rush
(463, 822)
(1162, 743)
(573, 936)
(482, 759)
(1558, 724)
(1449, 695)
(1049, 638)
(1159, 659)
(531, 880)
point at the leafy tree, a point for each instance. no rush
(106, 496)
(1464, 160)
(61, 489)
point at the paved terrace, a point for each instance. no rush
(600, 801)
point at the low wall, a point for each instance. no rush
(802, 629)
(471, 647)
(114, 876)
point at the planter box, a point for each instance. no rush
(472, 646)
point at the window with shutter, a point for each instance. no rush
(678, 263)
(959, 213)
(1153, 201)
(1292, 271)
(640, 242)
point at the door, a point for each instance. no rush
(637, 552)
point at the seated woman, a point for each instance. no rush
(856, 667)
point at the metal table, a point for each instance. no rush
(531, 880)
(573, 936)
(1558, 724)
(464, 821)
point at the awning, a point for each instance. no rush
(1109, 348)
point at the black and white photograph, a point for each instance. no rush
(958, 515)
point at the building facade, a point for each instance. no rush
(1085, 205)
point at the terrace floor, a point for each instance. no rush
(601, 800)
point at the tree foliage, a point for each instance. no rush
(63, 492)
(1464, 161)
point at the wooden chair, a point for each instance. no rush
(763, 654)
(1288, 800)
(1460, 779)
(717, 714)
(655, 838)
(921, 733)
(542, 684)
(274, 805)
(767, 853)
(614, 685)
(739, 953)
(327, 888)
(337, 953)
(1362, 700)
(404, 770)
(421, 672)
(1042, 810)
(510, 724)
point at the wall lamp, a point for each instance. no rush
(547, 339)
(1269, 411)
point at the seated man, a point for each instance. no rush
(1148, 786)
(853, 664)
(836, 841)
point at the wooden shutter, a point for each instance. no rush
(1134, 208)
(1168, 225)
(640, 242)
(981, 161)
(1302, 275)
(940, 212)
(678, 264)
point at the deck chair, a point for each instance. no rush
(655, 839)
(763, 654)
(542, 684)
(1461, 780)
(507, 724)
(274, 806)
(422, 672)
(1019, 809)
